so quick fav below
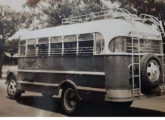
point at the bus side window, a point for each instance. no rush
(99, 40)
(70, 44)
(22, 47)
(43, 45)
(86, 43)
(31, 47)
(56, 46)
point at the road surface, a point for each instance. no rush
(34, 105)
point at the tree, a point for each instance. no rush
(153, 7)
(53, 11)
(10, 22)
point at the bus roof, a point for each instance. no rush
(109, 28)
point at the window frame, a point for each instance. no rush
(86, 40)
(44, 43)
(24, 45)
(58, 42)
(102, 44)
(71, 41)
(77, 39)
(27, 44)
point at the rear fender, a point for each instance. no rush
(68, 83)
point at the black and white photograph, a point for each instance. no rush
(82, 58)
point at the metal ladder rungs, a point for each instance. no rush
(135, 88)
(136, 63)
(136, 93)
(136, 75)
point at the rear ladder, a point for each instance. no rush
(136, 75)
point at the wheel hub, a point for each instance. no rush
(12, 87)
(153, 70)
(70, 99)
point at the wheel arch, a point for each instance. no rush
(69, 83)
(10, 75)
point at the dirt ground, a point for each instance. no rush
(34, 105)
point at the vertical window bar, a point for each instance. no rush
(77, 48)
(36, 54)
(49, 50)
(19, 52)
(94, 43)
(62, 46)
(26, 47)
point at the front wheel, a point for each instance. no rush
(12, 90)
(69, 101)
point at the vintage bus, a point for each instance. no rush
(111, 56)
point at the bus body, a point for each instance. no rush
(100, 59)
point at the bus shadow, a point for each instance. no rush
(49, 104)
(88, 108)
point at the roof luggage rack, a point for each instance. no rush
(115, 13)
(153, 20)
(112, 13)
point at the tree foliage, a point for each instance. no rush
(153, 7)
(51, 12)
(10, 22)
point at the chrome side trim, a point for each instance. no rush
(63, 72)
(59, 94)
(57, 85)
(129, 54)
(119, 99)
(118, 95)
(39, 83)
(91, 89)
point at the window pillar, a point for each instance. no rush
(26, 45)
(77, 48)
(94, 43)
(49, 47)
(62, 46)
(36, 47)
(19, 52)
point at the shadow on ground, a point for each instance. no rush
(88, 108)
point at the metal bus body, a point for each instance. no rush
(94, 57)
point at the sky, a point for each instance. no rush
(14, 4)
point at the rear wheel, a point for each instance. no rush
(12, 90)
(69, 101)
(150, 72)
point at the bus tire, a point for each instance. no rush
(150, 72)
(69, 101)
(12, 91)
